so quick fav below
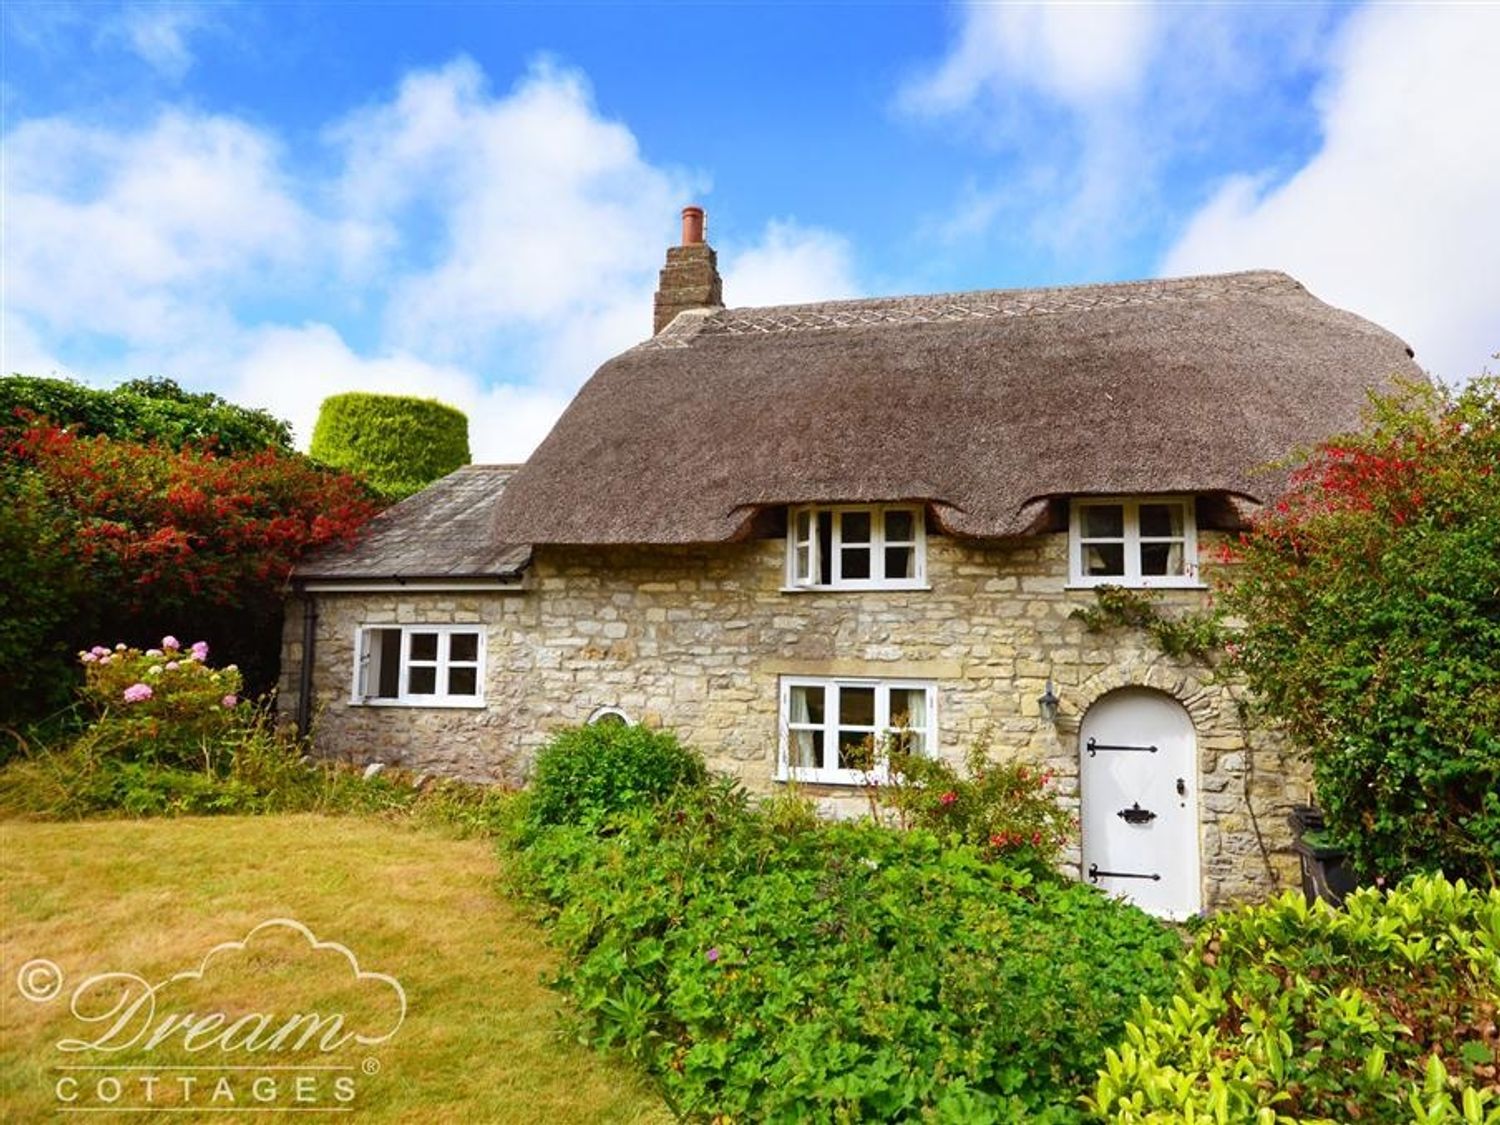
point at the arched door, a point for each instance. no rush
(1138, 776)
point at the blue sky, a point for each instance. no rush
(279, 202)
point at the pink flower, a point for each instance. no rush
(230, 700)
(99, 650)
(88, 658)
(949, 797)
(171, 665)
(712, 954)
(170, 643)
(137, 693)
(153, 652)
(200, 650)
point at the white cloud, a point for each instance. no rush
(548, 213)
(1397, 216)
(159, 34)
(1080, 54)
(789, 264)
(144, 235)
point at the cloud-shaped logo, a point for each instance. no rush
(136, 1013)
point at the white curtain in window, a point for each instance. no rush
(800, 745)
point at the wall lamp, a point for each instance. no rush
(1047, 704)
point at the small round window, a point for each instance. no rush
(609, 716)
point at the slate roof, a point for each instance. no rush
(444, 531)
(983, 405)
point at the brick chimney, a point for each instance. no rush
(690, 279)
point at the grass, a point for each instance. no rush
(481, 1038)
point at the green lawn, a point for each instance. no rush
(481, 1040)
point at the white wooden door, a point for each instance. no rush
(1139, 780)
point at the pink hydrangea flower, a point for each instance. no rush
(230, 700)
(137, 693)
(153, 652)
(99, 650)
(200, 650)
(171, 665)
(104, 659)
(169, 642)
(88, 658)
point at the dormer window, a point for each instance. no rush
(856, 547)
(1146, 541)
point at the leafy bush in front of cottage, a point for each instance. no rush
(1008, 808)
(398, 444)
(586, 774)
(771, 967)
(143, 410)
(1382, 1012)
(1370, 596)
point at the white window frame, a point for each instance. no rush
(796, 582)
(832, 686)
(362, 664)
(1132, 541)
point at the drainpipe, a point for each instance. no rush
(305, 673)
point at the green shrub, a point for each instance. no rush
(771, 968)
(144, 410)
(1370, 596)
(585, 774)
(1383, 1012)
(399, 444)
(1007, 808)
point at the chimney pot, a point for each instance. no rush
(690, 279)
(692, 226)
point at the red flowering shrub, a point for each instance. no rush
(1371, 599)
(143, 532)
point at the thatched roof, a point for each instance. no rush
(982, 404)
(443, 532)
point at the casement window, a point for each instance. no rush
(1146, 541)
(856, 547)
(827, 726)
(420, 665)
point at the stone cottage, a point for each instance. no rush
(778, 531)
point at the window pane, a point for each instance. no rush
(803, 564)
(463, 681)
(463, 646)
(825, 548)
(855, 563)
(1104, 521)
(388, 669)
(805, 749)
(1104, 559)
(857, 707)
(900, 562)
(1161, 558)
(1161, 520)
(900, 527)
(804, 525)
(421, 681)
(807, 705)
(908, 707)
(424, 646)
(855, 527)
(856, 750)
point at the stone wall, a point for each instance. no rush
(695, 639)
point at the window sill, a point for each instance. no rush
(851, 779)
(422, 704)
(883, 587)
(1191, 584)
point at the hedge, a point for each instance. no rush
(399, 444)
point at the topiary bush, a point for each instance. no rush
(1384, 1012)
(586, 774)
(399, 444)
(771, 967)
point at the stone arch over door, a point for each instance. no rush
(1139, 805)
